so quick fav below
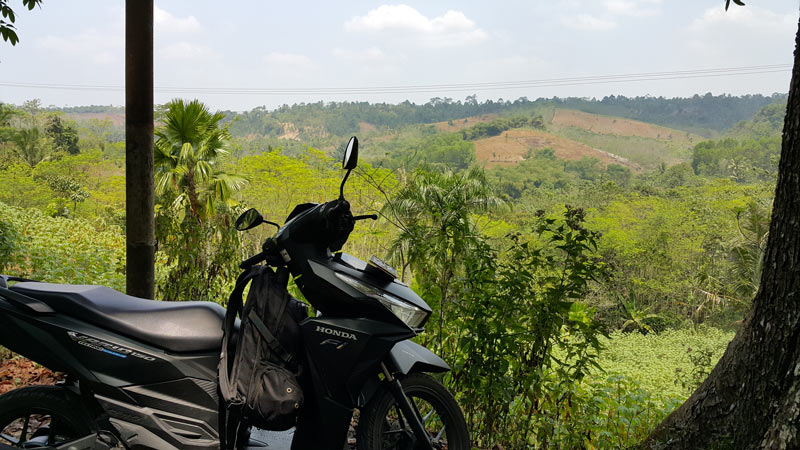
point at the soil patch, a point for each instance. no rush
(514, 146)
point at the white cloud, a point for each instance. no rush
(637, 8)
(751, 18)
(164, 21)
(288, 61)
(752, 34)
(588, 22)
(98, 47)
(185, 51)
(451, 29)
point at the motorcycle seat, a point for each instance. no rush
(180, 327)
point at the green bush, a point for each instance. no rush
(8, 241)
(61, 250)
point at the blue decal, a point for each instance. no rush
(120, 355)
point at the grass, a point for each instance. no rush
(646, 152)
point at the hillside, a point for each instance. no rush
(620, 126)
(645, 144)
(706, 115)
(515, 146)
(643, 133)
(702, 114)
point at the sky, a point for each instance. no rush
(245, 54)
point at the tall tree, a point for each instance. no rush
(751, 399)
(139, 220)
(64, 136)
(194, 195)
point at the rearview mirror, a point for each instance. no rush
(249, 219)
(350, 160)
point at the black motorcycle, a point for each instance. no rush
(142, 374)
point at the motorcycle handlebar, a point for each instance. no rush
(332, 223)
(253, 260)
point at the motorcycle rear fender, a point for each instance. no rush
(407, 356)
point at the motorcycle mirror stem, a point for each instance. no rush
(349, 161)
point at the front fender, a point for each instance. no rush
(407, 357)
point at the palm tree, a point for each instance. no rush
(6, 113)
(434, 208)
(187, 149)
(433, 212)
(194, 194)
(31, 145)
(638, 319)
(748, 254)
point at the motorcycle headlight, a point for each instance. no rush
(408, 313)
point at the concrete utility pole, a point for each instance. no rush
(140, 239)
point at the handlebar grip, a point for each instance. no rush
(253, 260)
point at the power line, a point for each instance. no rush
(433, 88)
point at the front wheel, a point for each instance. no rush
(381, 425)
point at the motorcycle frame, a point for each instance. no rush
(160, 400)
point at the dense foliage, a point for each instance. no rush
(497, 126)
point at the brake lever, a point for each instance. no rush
(366, 216)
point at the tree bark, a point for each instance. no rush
(139, 220)
(751, 400)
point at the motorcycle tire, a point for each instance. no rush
(381, 425)
(43, 416)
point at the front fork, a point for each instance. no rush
(422, 438)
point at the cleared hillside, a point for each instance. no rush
(619, 126)
(642, 143)
(514, 146)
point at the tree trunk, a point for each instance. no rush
(752, 397)
(139, 220)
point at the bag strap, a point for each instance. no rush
(230, 414)
(235, 307)
(273, 343)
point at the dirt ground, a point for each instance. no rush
(513, 146)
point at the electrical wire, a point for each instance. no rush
(433, 88)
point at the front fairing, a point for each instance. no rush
(334, 297)
(394, 287)
(314, 266)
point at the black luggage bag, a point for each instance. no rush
(259, 366)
